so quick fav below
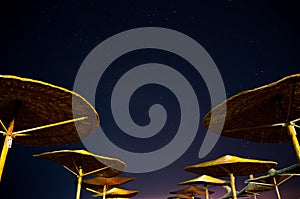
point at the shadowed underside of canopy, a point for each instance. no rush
(261, 114)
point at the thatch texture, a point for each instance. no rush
(250, 114)
(34, 103)
(98, 183)
(75, 159)
(228, 164)
(118, 193)
(191, 190)
(205, 180)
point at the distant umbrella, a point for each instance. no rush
(118, 193)
(36, 113)
(231, 166)
(101, 184)
(205, 180)
(82, 163)
(266, 114)
(181, 196)
(276, 178)
(191, 191)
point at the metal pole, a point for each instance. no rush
(79, 183)
(6, 146)
(293, 135)
(232, 183)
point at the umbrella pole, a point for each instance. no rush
(206, 192)
(276, 187)
(293, 135)
(79, 183)
(232, 184)
(6, 146)
(104, 192)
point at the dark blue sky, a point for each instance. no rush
(252, 43)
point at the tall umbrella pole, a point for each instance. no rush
(79, 183)
(232, 184)
(293, 135)
(6, 146)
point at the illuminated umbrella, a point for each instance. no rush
(205, 180)
(266, 114)
(118, 193)
(36, 113)
(276, 178)
(82, 163)
(231, 166)
(191, 191)
(181, 196)
(101, 184)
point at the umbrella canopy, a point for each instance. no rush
(228, 164)
(98, 183)
(206, 180)
(276, 178)
(248, 191)
(31, 103)
(82, 163)
(181, 196)
(261, 114)
(118, 193)
(191, 190)
(88, 162)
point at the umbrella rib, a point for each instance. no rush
(50, 125)
(70, 170)
(256, 127)
(296, 120)
(95, 171)
(92, 190)
(3, 126)
(297, 126)
(284, 180)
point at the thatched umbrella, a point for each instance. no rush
(205, 180)
(266, 114)
(118, 193)
(276, 178)
(82, 163)
(182, 196)
(231, 166)
(36, 113)
(251, 189)
(101, 184)
(191, 191)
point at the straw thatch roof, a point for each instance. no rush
(251, 114)
(33, 103)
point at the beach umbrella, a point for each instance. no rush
(205, 180)
(181, 196)
(118, 193)
(266, 114)
(82, 163)
(192, 191)
(101, 184)
(36, 113)
(276, 178)
(231, 166)
(251, 189)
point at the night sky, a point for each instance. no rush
(253, 43)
